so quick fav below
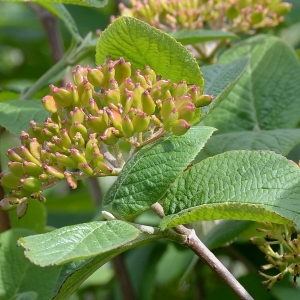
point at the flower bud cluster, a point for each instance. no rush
(288, 261)
(239, 16)
(105, 105)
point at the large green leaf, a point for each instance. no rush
(267, 95)
(147, 176)
(282, 141)
(220, 80)
(239, 185)
(77, 242)
(74, 273)
(20, 279)
(15, 115)
(188, 37)
(142, 45)
(93, 3)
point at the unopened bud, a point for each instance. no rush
(122, 70)
(31, 184)
(95, 77)
(61, 96)
(180, 127)
(140, 122)
(49, 104)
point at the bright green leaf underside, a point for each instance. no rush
(15, 115)
(146, 177)
(94, 3)
(235, 185)
(77, 242)
(227, 211)
(142, 45)
(188, 37)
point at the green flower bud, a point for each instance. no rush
(178, 90)
(91, 148)
(164, 84)
(194, 92)
(281, 266)
(137, 92)
(138, 78)
(258, 241)
(126, 101)
(65, 139)
(184, 100)
(24, 138)
(71, 180)
(86, 169)
(147, 71)
(115, 118)
(47, 135)
(9, 203)
(95, 77)
(29, 157)
(77, 115)
(97, 157)
(16, 168)
(112, 96)
(96, 124)
(31, 184)
(93, 107)
(32, 169)
(108, 71)
(127, 126)
(108, 137)
(242, 3)
(232, 12)
(156, 93)
(148, 104)
(35, 131)
(35, 148)
(77, 156)
(65, 160)
(14, 156)
(74, 93)
(53, 171)
(52, 147)
(22, 209)
(86, 95)
(122, 70)
(49, 104)
(61, 96)
(290, 257)
(180, 127)
(77, 127)
(256, 17)
(203, 100)
(104, 168)
(140, 122)
(171, 118)
(167, 106)
(186, 112)
(156, 121)
(126, 84)
(79, 74)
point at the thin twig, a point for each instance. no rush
(123, 278)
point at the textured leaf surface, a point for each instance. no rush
(146, 177)
(282, 141)
(18, 277)
(267, 95)
(219, 81)
(15, 115)
(74, 273)
(77, 242)
(94, 3)
(142, 45)
(188, 37)
(240, 185)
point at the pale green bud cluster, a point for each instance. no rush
(238, 16)
(105, 106)
(288, 260)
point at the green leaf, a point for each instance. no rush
(77, 242)
(61, 12)
(267, 95)
(220, 80)
(238, 185)
(34, 219)
(282, 141)
(142, 45)
(74, 273)
(225, 232)
(147, 176)
(188, 37)
(15, 115)
(93, 3)
(19, 279)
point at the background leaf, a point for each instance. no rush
(95, 3)
(77, 242)
(188, 37)
(146, 177)
(142, 45)
(15, 115)
(19, 277)
(240, 185)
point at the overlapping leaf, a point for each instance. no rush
(241, 185)
(92, 3)
(77, 242)
(142, 45)
(147, 176)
